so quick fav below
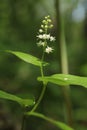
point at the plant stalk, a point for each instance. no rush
(40, 98)
(64, 61)
(44, 86)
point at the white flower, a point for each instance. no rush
(46, 36)
(42, 26)
(40, 43)
(40, 30)
(40, 36)
(49, 49)
(43, 43)
(52, 38)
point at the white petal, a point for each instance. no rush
(48, 36)
(40, 43)
(44, 36)
(49, 49)
(52, 38)
(40, 36)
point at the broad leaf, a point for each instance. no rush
(27, 58)
(22, 102)
(59, 124)
(63, 79)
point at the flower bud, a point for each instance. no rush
(46, 17)
(40, 30)
(46, 26)
(44, 21)
(51, 26)
(49, 20)
(42, 26)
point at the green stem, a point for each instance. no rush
(64, 62)
(40, 98)
(44, 86)
(41, 67)
(42, 74)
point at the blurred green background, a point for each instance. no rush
(19, 23)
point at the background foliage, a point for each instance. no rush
(19, 24)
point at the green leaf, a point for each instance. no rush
(27, 58)
(22, 102)
(65, 79)
(59, 124)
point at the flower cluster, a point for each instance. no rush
(43, 35)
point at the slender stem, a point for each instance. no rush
(40, 98)
(41, 67)
(44, 86)
(64, 62)
(42, 74)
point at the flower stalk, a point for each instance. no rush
(43, 38)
